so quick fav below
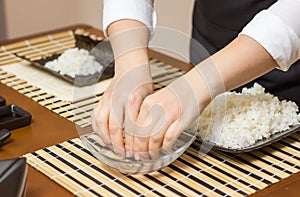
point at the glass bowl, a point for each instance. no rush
(131, 166)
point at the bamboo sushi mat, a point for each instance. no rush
(217, 174)
(73, 167)
(76, 110)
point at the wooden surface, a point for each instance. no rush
(48, 128)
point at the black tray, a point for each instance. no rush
(103, 54)
(13, 117)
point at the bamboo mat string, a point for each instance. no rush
(55, 42)
(35, 49)
(11, 57)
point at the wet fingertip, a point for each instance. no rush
(121, 154)
(166, 150)
(137, 156)
(129, 154)
(154, 154)
(145, 156)
(142, 156)
(104, 139)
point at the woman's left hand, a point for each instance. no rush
(162, 117)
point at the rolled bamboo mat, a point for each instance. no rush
(73, 167)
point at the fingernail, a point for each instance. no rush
(119, 152)
(145, 156)
(137, 156)
(129, 154)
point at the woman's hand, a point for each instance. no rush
(119, 106)
(164, 115)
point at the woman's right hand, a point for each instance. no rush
(119, 107)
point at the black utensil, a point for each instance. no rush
(2, 101)
(4, 135)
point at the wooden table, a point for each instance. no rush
(43, 132)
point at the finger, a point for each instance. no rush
(139, 131)
(142, 134)
(155, 144)
(149, 116)
(156, 140)
(129, 145)
(134, 102)
(151, 127)
(144, 112)
(150, 122)
(140, 148)
(115, 131)
(100, 117)
(171, 136)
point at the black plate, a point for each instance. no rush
(13, 117)
(103, 54)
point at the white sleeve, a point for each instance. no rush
(277, 29)
(140, 10)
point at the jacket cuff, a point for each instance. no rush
(139, 10)
(277, 30)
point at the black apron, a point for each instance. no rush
(217, 22)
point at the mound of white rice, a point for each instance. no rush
(74, 62)
(237, 120)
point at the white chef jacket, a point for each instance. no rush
(277, 28)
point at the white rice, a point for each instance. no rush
(74, 62)
(237, 120)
